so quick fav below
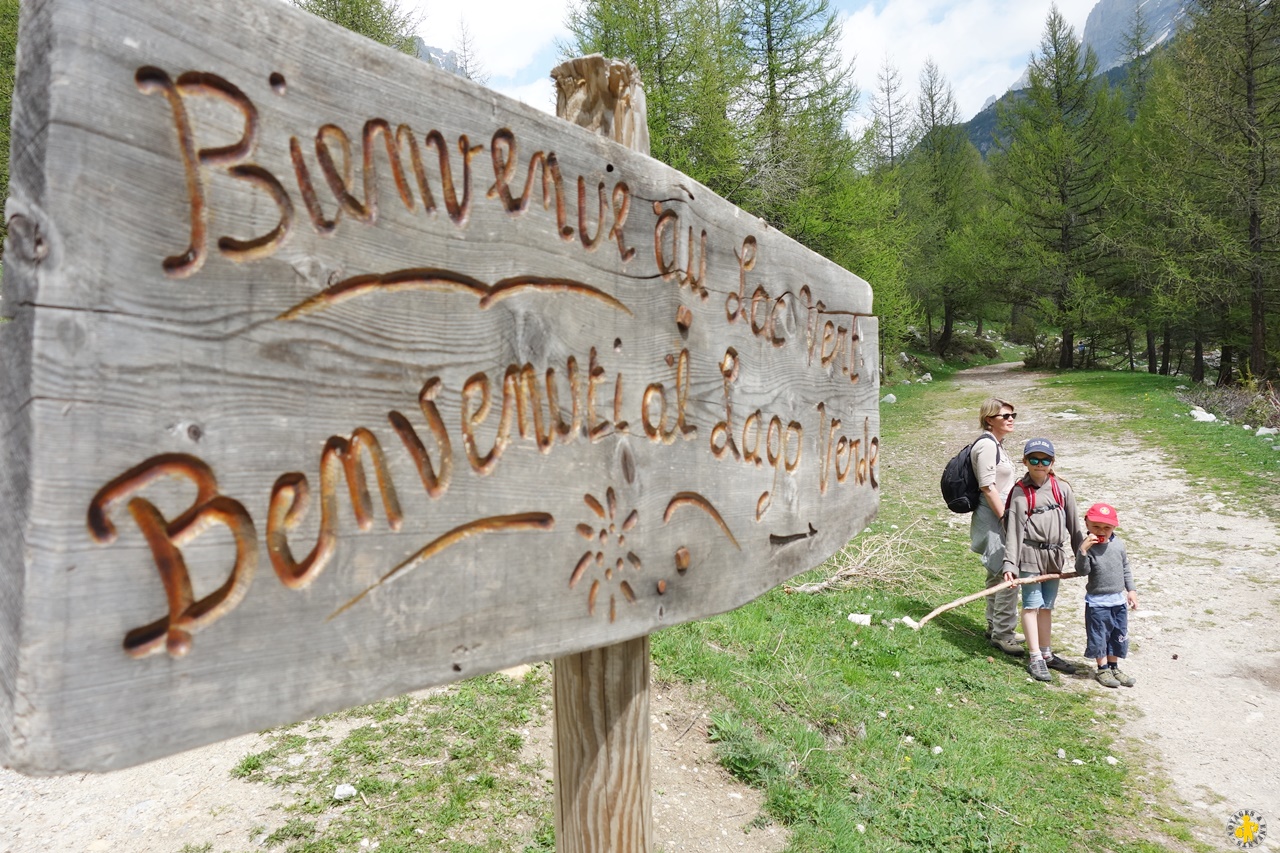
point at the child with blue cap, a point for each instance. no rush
(1042, 536)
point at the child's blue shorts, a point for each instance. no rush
(1106, 630)
(1039, 596)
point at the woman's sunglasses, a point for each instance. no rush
(1039, 460)
(1008, 416)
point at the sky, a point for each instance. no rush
(981, 46)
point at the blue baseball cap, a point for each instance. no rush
(1039, 445)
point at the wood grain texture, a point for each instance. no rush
(214, 340)
(604, 801)
(601, 731)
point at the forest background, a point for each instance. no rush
(1132, 225)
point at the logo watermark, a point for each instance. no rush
(1246, 829)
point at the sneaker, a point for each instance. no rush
(1122, 679)
(1107, 678)
(1008, 646)
(1062, 665)
(1039, 671)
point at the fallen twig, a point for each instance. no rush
(992, 590)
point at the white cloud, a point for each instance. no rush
(507, 35)
(981, 46)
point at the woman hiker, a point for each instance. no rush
(994, 471)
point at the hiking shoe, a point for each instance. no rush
(1062, 665)
(1039, 671)
(1124, 680)
(1007, 645)
(1107, 678)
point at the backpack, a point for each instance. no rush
(959, 484)
(1031, 496)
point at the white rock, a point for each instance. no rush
(937, 750)
(1076, 761)
(888, 398)
(908, 739)
(344, 791)
(861, 828)
(897, 674)
(295, 760)
(881, 714)
(1267, 431)
(860, 618)
(1246, 426)
(1203, 416)
(1181, 388)
(928, 377)
(1062, 753)
(1112, 760)
(906, 382)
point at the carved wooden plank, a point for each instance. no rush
(225, 280)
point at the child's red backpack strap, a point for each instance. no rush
(1030, 493)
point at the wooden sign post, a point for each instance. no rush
(604, 801)
(331, 376)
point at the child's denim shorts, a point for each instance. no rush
(1039, 596)
(1106, 631)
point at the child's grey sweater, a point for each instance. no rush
(1107, 566)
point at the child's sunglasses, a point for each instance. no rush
(1046, 461)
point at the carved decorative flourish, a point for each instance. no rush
(431, 280)
(495, 524)
(610, 535)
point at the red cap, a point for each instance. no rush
(1103, 514)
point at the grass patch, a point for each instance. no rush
(440, 772)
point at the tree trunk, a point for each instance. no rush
(948, 327)
(1066, 357)
(978, 330)
(1128, 340)
(1166, 346)
(1226, 367)
(1197, 366)
(1152, 366)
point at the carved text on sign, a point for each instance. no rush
(582, 399)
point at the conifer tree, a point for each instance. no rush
(384, 21)
(1055, 170)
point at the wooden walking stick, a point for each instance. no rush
(992, 590)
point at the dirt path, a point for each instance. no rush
(182, 803)
(1206, 644)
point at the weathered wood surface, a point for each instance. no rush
(603, 791)
(718, 399)
(604, 802)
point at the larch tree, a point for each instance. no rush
(1054, 165)
(384, 21)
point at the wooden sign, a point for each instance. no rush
(331, 376)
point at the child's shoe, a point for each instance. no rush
(1062, 665)
(1107, 677)
(1038, 670)
(1125, 680)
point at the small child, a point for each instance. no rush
(1042, 532)
(1109, 590)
